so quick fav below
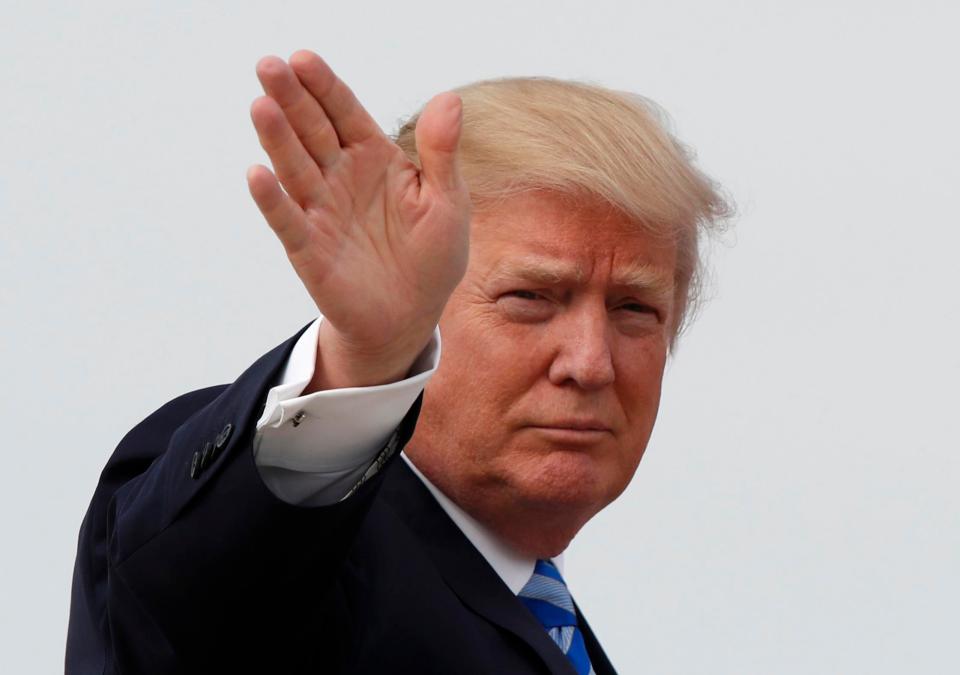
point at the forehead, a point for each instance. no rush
(555, 239)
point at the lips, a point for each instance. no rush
(573, 425)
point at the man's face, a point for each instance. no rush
(554, 346)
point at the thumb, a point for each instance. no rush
(438, 136)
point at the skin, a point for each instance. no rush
(378, 243)
(556, 314)
(555, 343)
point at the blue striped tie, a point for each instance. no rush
(548, 598)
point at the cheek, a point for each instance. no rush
(471, 389)
(486, 358)
(639, 380)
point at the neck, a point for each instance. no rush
(526, 530)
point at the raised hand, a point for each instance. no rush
(378, 243)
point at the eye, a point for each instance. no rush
(639, 313)
(524, 295)
(638, 308)
(526, 306)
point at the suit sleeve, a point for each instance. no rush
(187, 562)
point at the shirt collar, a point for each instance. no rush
(513, 568)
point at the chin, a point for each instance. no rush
(564, 480)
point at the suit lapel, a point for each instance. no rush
(598, 659)
(465, 571)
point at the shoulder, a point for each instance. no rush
(173, 413)
(148, 438)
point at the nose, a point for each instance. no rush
(584, 355)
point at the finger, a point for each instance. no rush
(284, 215)
(305, 115)
(351, 121)
(296, 169)
(438, 138)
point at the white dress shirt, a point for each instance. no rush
(313, 449)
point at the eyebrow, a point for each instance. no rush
(641, 276)
(538, 270)
(638, 277)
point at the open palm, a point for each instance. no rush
(378, 242)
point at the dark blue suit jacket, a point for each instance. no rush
(189, 564)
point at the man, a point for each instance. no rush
(273, 525)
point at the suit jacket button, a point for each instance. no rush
(223, 437)
(206, 455)
(195, 465)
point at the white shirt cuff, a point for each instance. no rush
(311, 449)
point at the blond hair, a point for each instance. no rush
(539, 133)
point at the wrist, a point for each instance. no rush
(341, 363)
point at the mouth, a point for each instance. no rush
(573, 431)
(574, 425)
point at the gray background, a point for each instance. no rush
(797, 510)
